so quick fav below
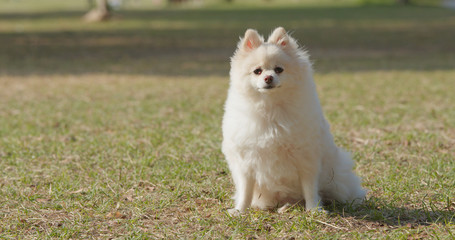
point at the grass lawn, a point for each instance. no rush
(113, 130)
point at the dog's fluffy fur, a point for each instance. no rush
(275, 138)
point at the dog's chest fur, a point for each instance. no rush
(271, 141)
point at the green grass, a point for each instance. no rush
(112, 130)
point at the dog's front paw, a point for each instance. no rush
(284, 208)
(233, 212)
(318, 209)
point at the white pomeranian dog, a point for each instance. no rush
(275, 138)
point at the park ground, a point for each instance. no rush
(112, 130)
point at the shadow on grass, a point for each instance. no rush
(381, 214)
(200, 42)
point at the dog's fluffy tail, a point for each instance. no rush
(339, 181)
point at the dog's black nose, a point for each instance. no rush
(268, 79)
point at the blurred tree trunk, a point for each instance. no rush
(101, 12)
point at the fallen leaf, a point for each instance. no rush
(150, 188)
(143, 229)
(116, 214)
(128, 196)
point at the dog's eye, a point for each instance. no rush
(257, 71)
(278, 70)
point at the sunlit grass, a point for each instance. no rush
(100, 154)
(113, 129)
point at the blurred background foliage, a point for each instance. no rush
(197, 37)
(46, 5)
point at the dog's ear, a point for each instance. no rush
(251, 40)
(281, 38)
